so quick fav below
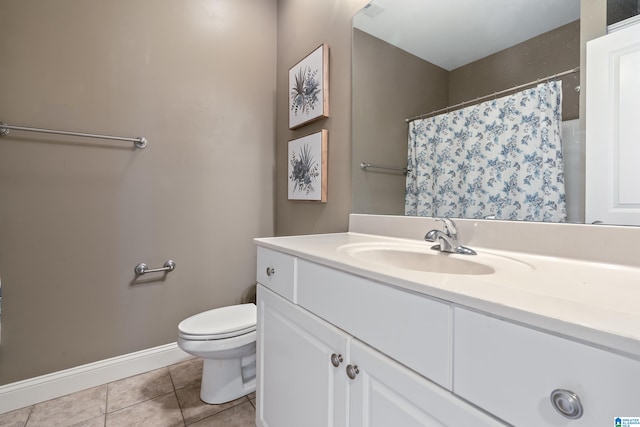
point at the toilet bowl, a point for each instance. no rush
(226, 339)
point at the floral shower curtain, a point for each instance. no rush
(500, 159)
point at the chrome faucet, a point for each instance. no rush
(447, 239)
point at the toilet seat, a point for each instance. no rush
(219, 323)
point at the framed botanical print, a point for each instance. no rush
(307, 171)
(309, 88)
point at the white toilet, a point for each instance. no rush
(226, 339)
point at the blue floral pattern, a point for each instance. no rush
(501, 159)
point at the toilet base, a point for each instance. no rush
(221, 382)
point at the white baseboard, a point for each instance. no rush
(34, 390)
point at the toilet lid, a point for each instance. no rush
(221, 322)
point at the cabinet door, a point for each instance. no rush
(297, 384)
(385, 393)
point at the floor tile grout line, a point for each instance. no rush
(184, 421)
(29, 416)
(219, 412)
(173, 383)
(175, 393)
(32, 408)
(140, 402)
(106, 403)
(176, 388)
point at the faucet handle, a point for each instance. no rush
(431, 236)
(449, 226)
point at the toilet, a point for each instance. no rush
(226, 339)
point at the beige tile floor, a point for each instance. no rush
(166, 397)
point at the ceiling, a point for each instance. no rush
(452, 33)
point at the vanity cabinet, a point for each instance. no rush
(338, 349)
(353, 352)
(555, 344)
(511, 371)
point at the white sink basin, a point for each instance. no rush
(419, 257)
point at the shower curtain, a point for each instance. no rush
(498, 159)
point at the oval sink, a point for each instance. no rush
(423, 258)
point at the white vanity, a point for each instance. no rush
(373, 328)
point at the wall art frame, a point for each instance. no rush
(307, 167)
(309, 88)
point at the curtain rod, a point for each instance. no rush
(502, 92)
(139, 142)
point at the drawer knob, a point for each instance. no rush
(567, 403)
(336, 359)
(271, 271)
(352, 371)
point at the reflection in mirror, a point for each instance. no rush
(412, 57)
(620, 10)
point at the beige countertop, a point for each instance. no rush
(592, 302)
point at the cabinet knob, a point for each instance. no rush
(567, 403)
(271, 271)
(352, 371)
(336, 359)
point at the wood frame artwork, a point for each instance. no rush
(307, 170)
(309, 88)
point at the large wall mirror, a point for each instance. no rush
(416, 57)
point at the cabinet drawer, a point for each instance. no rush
(410, 328)
(511, 371)
(276, 271)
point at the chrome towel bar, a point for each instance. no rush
(143, 268)
(139, 142)
(365, 166)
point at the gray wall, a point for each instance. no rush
(302, 26)
(619, 10)
(547, 54)
(391, 85)
(195, 78)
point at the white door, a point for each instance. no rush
(613, 128)
(386, 394)
(298, 384)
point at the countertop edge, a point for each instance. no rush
(610, 341)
